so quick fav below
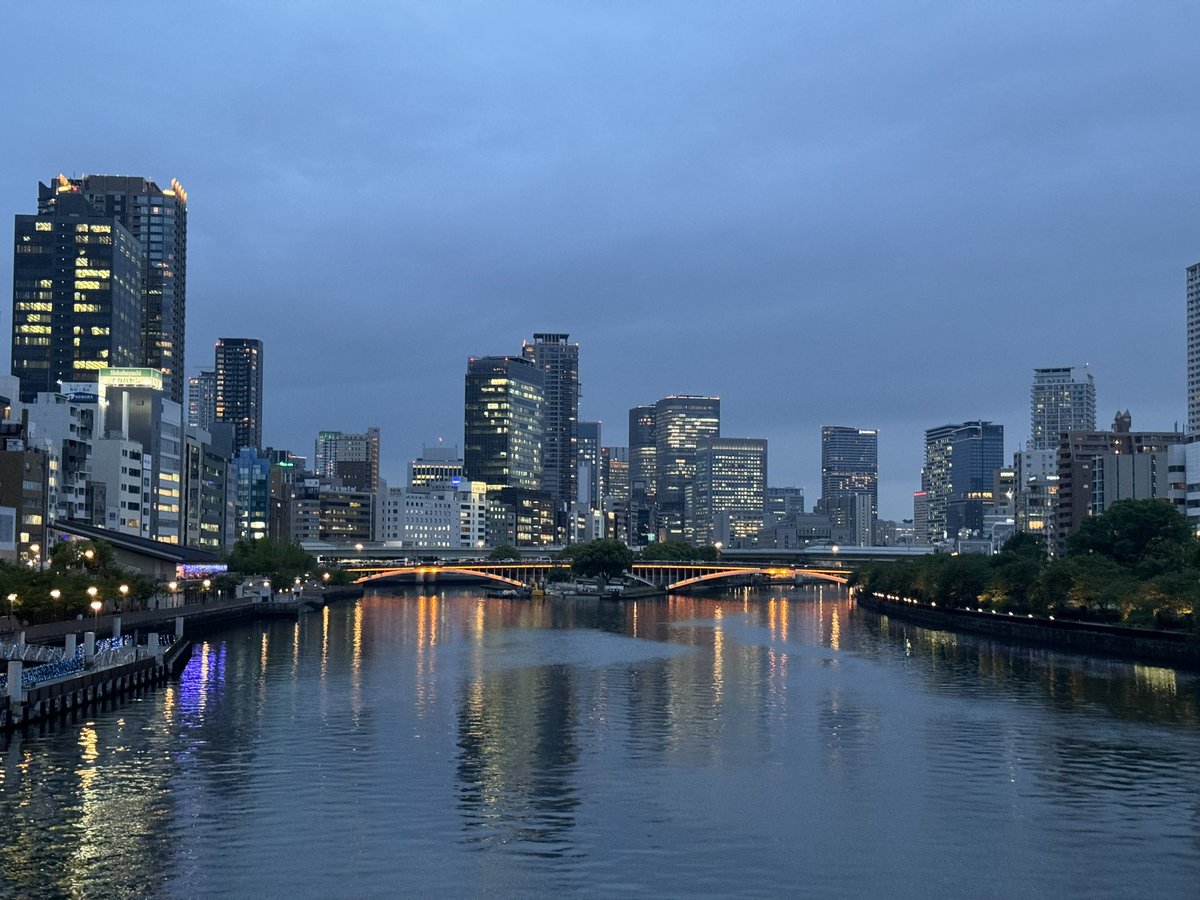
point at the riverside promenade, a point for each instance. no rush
(1167, 648)
(60, 667)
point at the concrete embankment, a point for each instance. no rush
(1140, 644)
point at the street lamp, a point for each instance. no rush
(124, 589)
(36, 550)
(96, 604)
(12, 601)
(358, 548)
(55, 594)
(206, 584)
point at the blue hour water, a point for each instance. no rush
(745, 744)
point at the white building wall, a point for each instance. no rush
(440, 517)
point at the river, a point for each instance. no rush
(746, 744)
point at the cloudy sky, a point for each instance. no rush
(873, 214)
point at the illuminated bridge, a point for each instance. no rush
(668, 576)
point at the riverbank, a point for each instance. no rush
(151, 664)
(1143, 645)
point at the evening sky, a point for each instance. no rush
(873, 214)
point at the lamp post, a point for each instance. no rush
(96, 604)
(12, 602)
(55, 594)
(172, 586)
(206, 584)
(124, 589)
(36, 550)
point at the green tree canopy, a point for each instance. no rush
(282, 561)
(1149, 536)
(603, 558)
(676, 551)
(505, 551)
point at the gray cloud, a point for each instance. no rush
(872, 214)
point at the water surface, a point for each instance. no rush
(743, 745)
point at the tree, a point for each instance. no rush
(281, 561)
(675, 551)
(1150, 536)
(505, 551)
(603, 558)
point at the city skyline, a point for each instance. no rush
(799, 170)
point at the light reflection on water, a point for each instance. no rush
(739, 744)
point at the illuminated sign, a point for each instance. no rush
(138, 378)
(185, 571)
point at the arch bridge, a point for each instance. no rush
(668, 576)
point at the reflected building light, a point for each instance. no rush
(718, 656)
(324, 641)
(1156, 678)
(295, 649)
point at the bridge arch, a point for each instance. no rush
(436, 571)
(735, 573)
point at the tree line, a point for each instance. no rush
(1138, 563)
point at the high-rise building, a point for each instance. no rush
(202, 400)
(1193, 348)
(77, 294)
(252, 490)
(436, 465)
(782, 504)
(1061, 399)
(850, 468)
(642, 474)
(559, 361)
(157, 218)
(1098, 468)
(239, 370)
(728, 494)
(351, 458)
(680, 423)
(144, 414)
(502, 422)
(960, 461)
(590, 487)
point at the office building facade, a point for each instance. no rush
(435, 465)
(352, 459)
(727, 497)
(558, 359)
(157, 218)
(960, 461)
(849, 470)
(239, 389)
(77, 295)
(502, 422)
(202, 400)
(1193, 349)
(1061, 399)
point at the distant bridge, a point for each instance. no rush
(669, 576)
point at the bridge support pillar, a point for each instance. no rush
(69, 646)
(116, 623)
(178, 627)
(15, 692)
(89, 647)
